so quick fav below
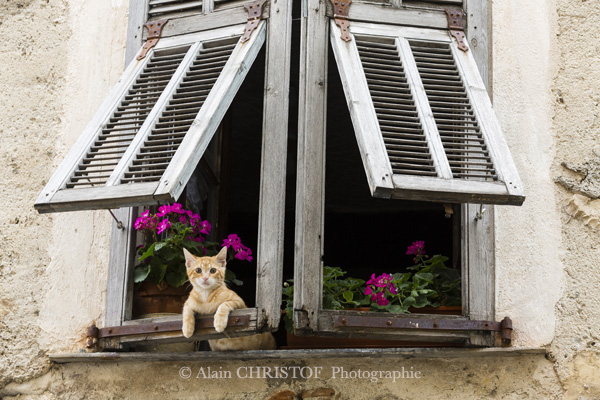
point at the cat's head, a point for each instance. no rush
(206, 273)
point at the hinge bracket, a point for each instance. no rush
(155, 29)
(254, 10)
(340, 16)
(455, 25)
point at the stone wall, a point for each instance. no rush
(60, 58)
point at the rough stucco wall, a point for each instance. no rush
(32, 49)
(576, 348)
(53, 269)
(528, 237)
(59, 60)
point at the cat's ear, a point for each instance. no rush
(189, 258)
(221, 258)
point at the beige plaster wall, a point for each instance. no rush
(60, 58)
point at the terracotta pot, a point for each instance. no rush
(149, 299)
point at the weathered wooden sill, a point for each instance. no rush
(407, 353)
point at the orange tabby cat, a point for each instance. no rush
(211, 295)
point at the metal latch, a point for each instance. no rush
(254, 10)
(155, 29)
(340, 15)
(455, 25)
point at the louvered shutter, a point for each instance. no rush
(145, 141)
(423, 120)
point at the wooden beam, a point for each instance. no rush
(291, 355)
(273, 165)
(310, 188)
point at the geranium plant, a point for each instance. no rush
(431, 284)
(166, 233)
(428, 283)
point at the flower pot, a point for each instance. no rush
(149, 299)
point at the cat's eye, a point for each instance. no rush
(198, 270)
(213, 270)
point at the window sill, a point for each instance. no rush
(407, 353)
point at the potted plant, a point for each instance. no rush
(160, 277)
(428, 287)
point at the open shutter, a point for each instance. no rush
(422, 117)
(145, 141)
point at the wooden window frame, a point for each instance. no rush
(477, 227)
(266, 315)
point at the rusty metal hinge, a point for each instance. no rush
(455, 25)
(155, 29)
(254, 10)
(340, 15)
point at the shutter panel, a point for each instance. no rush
(182, 88)
(422, 118)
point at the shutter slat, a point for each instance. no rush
(179, 115)
(173, 6)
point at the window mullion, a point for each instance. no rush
(310, 189)
(425, 114)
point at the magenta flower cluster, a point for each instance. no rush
(417, 248)
(169, 214)
(241, 252)
(378, 287)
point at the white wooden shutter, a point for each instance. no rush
(422, 117)
(145, 141)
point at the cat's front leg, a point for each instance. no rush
(222, 314)
(189, 321)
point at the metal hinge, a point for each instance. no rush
(254, 10)
(340, 15)
(455, 25)
(155, 29)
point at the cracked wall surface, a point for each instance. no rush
(576, 90)
(61, 57)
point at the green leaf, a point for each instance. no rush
(409, 301)
(141, 273)
(348, 296)
(175, 279)
(159, 246)
(147, 253)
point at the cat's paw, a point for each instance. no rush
(220, 323)
(187, 330)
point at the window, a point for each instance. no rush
(182, 132)
(146, 156)
(405, 29)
